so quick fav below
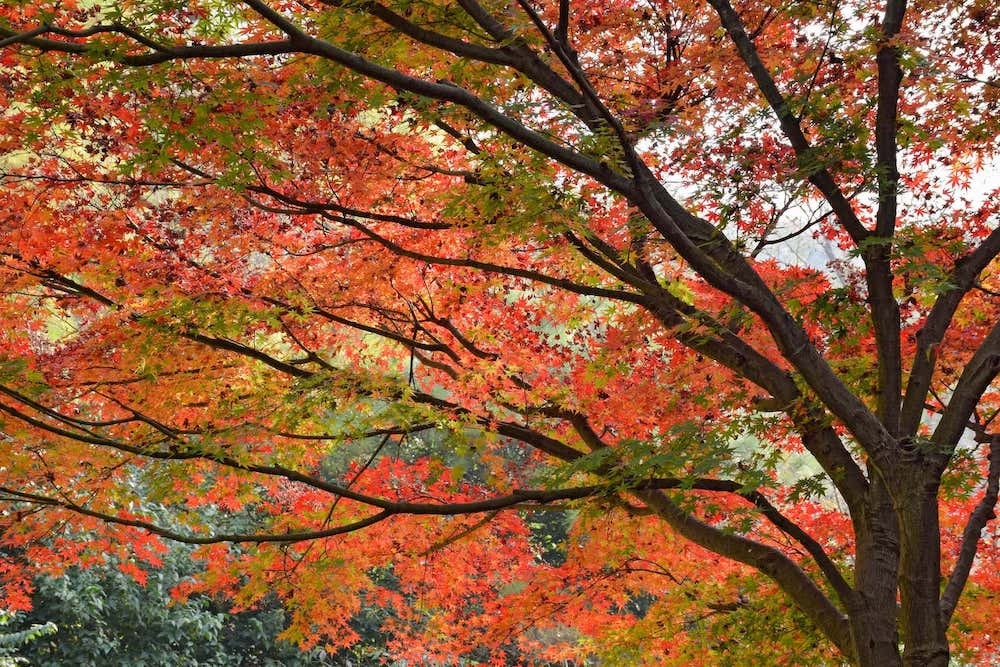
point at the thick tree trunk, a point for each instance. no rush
(924, 639)
(872, 613)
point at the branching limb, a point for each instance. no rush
(721, 252)
(790, 337)
(360, 326)
(458, 47)
(790, 125)
(884, 309)
(829, 569)
(371, 433)
(157, 53)
(578, 421)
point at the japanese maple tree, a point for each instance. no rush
(358, 295)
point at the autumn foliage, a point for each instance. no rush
(645, 332)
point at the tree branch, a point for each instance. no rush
(790, 337)
(768, 560)
(981, 515)
(789, 122)
(884, 310)
(975, 379)
(488, 267)
(962, 278)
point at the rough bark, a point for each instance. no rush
(872, 612)
(923, 632)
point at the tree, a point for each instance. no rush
(103, 616)
(11, 641)
(627, 257)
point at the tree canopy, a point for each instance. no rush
(546, 329)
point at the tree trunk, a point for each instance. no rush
(924, 639)
(872, 613)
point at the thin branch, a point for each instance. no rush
(975, 379)
(518, 499)
(961, 279)
(458, 47)
(489, 267)
(984, 511)
(21, 37)
(790, 126)
(378, 432)
(446, 92)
